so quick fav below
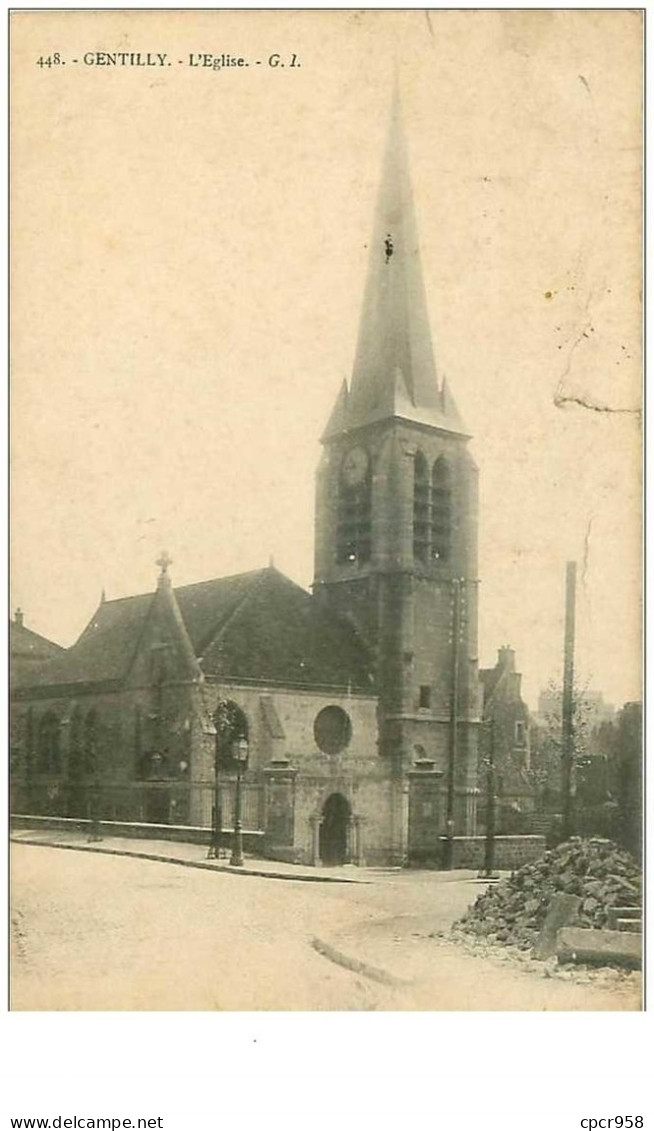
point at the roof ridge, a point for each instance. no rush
(288, 580)
(116, 601)
(188, 585)
(218, 629)
(229, 577)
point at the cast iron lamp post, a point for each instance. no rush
(240, 750)
(216, 832)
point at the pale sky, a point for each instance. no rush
(188, 267)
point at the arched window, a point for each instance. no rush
(91, 742)
(49, 745)
(441, 511)
(231, 727)
(353, 533)
(420, 509)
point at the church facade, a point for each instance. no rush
(357, 706)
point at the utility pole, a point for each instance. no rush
(448, 859)
(567, 708)
(488, 872)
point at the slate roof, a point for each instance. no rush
(104, 651)
(27, 645)
(256, 626)
(30, 654)
(281, 634)
(206, 605)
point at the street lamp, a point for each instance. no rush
(216, 834)
(240, 751)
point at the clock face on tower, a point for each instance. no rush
(354, 467)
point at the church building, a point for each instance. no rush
(346, 718)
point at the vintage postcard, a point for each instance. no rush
(326, 510)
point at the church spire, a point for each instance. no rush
(394, 370)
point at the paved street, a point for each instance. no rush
(99, 932)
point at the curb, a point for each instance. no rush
(375, 973)
(204, 865)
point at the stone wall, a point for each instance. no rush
(510, 851)
(288, 786)
(100, 742)
(135, 830)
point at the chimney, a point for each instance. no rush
(506, 658)
(18, 617)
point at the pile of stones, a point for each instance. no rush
(512, 912)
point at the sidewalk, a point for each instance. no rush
(195, 856)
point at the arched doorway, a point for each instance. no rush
(333, 840)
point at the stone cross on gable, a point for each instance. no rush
(163, 561)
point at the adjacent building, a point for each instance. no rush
(505, 747)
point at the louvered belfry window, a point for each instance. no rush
(421, 509)
(441, 511)
(353, 533)
(432, 511)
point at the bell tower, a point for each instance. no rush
(396, 519)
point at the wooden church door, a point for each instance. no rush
(333, 844)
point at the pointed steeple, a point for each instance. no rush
(450, 411)
(394, 370)
(172, 632)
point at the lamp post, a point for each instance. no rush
(217, 824)
(240, 749)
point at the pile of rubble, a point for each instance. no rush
(597, 871)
